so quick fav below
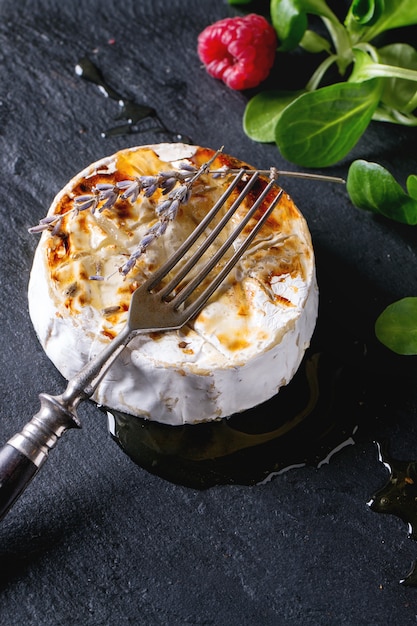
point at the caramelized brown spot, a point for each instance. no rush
(240, 297)
(110, 334)
(283, 300)
(82, 223)
(58, 249)
(123, 209)
(64, 205)
(83, 274)
(233, 343)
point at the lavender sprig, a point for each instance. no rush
(167, 209)
(176, 187)
(105, 195)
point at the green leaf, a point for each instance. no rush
(372, 188)
(361, 66)
(366, 68)
(289, 18)
(396, 327)
(321, 127)
(396, 13)
(384, 114)
(412, 186)
(263, 111)
(398, 93)
(398, 82)
(317, 7)
(289, 21)
(314, 43)
(366, 12)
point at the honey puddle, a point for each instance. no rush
(309, 420)
(399, 497)
(135, 117)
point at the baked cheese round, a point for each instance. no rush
(246, 343)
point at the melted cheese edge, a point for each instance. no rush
(244, 346)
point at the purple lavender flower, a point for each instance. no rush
(175, 185)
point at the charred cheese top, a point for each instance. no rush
(246, 343)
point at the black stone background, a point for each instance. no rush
(96, 540)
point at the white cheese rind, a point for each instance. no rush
(196, 374)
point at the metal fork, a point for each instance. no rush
(151, 309)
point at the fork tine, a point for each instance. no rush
(212, 236)
(159, 274)
(197, 304)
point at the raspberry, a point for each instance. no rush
(240, 51)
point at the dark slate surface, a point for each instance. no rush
(96, 540)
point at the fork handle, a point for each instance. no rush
(16, 472)
(25, 453)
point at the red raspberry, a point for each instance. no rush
(238, 50)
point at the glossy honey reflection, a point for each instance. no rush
(312, 417)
